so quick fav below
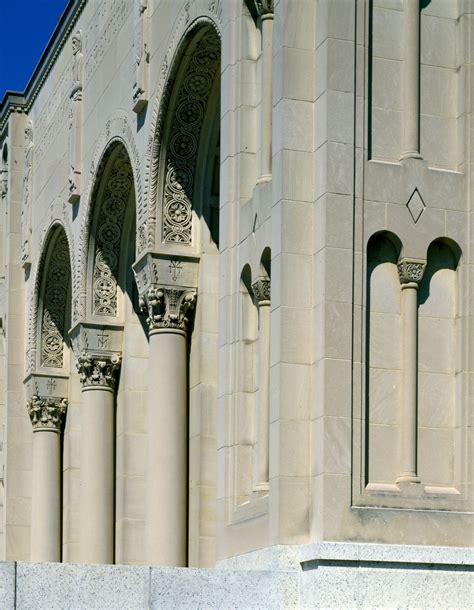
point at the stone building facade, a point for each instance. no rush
(237, 281)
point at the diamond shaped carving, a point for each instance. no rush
(415, 206)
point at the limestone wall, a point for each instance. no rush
(286, 187)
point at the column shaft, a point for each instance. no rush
(411, 137)
(267, 107)
(166, 503)
(97, 475)
(46, 496)
(262, 465)
(408, 456)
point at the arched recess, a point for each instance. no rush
(439, 367)
(112, 307)
(244, 420)
(53, 372)
(261, 288)
(185, 178)
(187, 161)
(382, 359)
(54, 302)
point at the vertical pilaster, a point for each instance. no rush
(97, 506)
(411, 121)
(265, 9)
(261, 290)
(410, 273)
(46, 416)
(75, 170)
(141, 46)
(166, 472)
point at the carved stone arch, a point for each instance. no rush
(50, 306)
(194, 17)
(113, 191)
(118, 133)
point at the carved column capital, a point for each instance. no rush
(46, 412)
(262, 290)
(98, 370)
(410, 270)
(167, 307)
(260, 8)
(3, 183)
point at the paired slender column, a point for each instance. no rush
(98, 374)
(265, 11)
(47, 415)
(167, 472)
(261, 290)
(410, 273)
(411, 126)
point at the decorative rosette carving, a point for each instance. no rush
(108, 236)
(410, 270)
(262, 290)
(54, 304)
(98, 370)
(186, 128)
(47, 413)
(168, 307)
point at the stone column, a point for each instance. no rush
(411, 120)
(98, 374)
(261, 290)
(46, 414)
(166, 474)
(265, 12)
(410, 273)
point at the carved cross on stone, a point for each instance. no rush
(175, 268)
(102, 340)
(51, 385)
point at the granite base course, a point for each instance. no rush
(324, 575)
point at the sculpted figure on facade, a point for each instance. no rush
(26, 200)
(75, 119)
(141, 45)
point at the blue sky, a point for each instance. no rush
(25, 28)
